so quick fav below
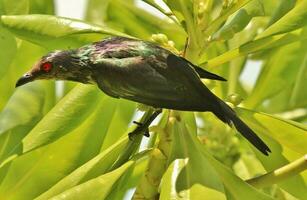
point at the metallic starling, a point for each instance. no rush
(142, 72)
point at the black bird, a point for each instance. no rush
(142, 72)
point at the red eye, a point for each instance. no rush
(47, 66)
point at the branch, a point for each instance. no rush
(148, 187)
(133, 144)
(280, 174)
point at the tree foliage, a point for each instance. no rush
(73, 144)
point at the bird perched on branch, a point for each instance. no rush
(142, 72)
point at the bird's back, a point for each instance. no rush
(138, 70)
(121, 47)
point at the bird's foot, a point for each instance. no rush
(142, 128)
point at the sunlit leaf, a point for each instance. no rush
(257, 45)
(25, 56)
(283, 7)
(287, 141)
(183, 10)
(240, 20)
(63, 118)
(22, 7)
(72, 143)
(221, 178)
(130, 180)
(118, 122)
(15, 124)
(99, 165)
(276, 75)
(97, 188)
(294, 19)
(59, 33)
(224, 16)
(133, 20)
(6, 57)
(287, 133)
(42, 7)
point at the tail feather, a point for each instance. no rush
(227, 115)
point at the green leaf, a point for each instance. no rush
(119, 122)
(298, 95)
(13, 8)
(42, 7)
(214, 25)
(240, 20)
(25, 56)
(82, 144)
(18, 117)
(283, 7)
(6, 57)
(257, 45)
(294, 19)
(26, 7)
(130, 180)
(290, 134)
(276, 75)
(97, 166)
(64, 117)
(183, 10)
(237, 65)
(215, 179)
(60, 33)
(168, 183)
(168, 186)
(96, 11)
(287, 141)
(71, 150)
(97, 188)
(133, 20)
(158, 6)
(31, 107)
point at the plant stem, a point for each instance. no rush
(280, 174)
(299, 82)
(134, 144)
(148, 188)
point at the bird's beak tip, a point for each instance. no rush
(24, 79)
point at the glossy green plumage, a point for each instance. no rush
(146, 73)
(138, 70)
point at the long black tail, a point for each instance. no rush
(228, 115)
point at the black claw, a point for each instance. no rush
(138, 123)
(143, 127)
(130, 136)
(146, 133)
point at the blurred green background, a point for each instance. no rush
(69, 141)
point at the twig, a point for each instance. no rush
(148, 187)
(280, 174)
(133, 144)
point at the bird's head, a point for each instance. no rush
(58, 65)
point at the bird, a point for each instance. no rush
(143, 72)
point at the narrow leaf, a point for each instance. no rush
(92, 169)
(97, 188)
(59, 33)
(294, 19)
(63, 118)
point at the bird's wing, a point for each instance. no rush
(183, 67)
(126, 47)
(203, 73)
(150, 81)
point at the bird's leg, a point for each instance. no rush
(185, 47)
(146, 131)
(143, 127)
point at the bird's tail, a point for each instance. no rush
(228, 115)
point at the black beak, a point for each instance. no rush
(24, 79)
